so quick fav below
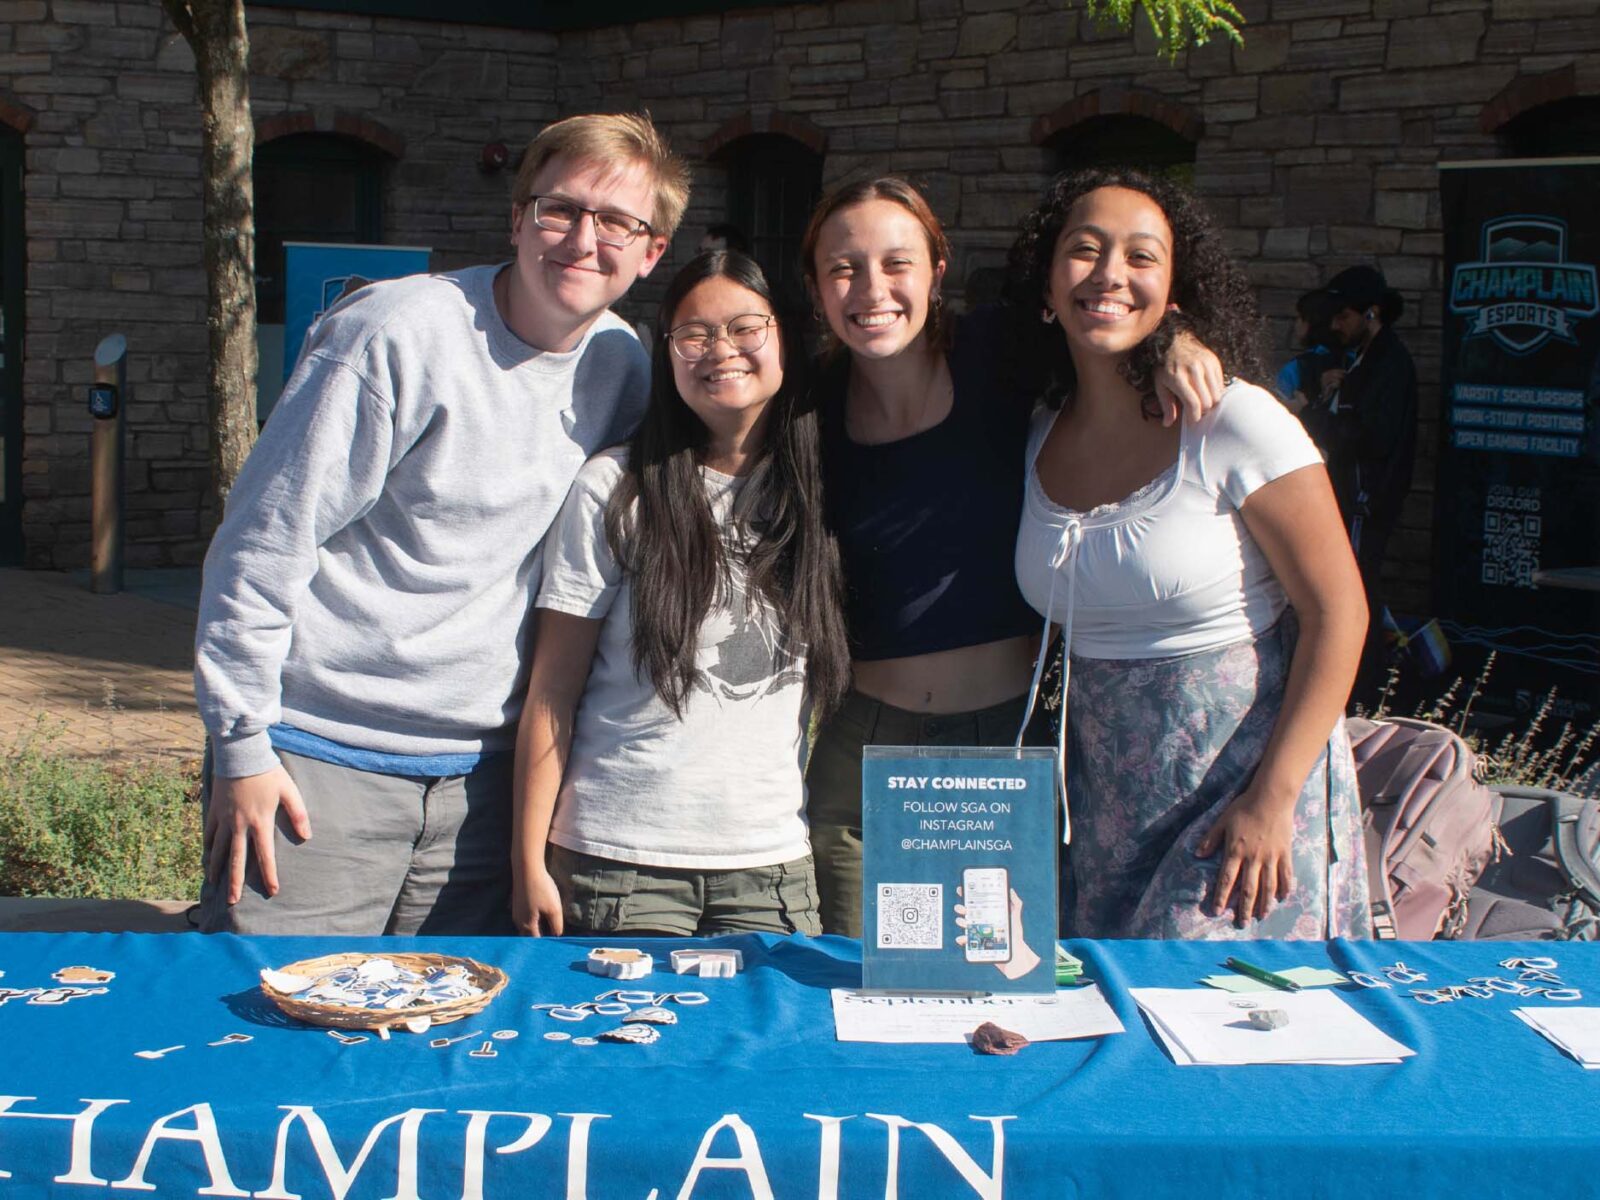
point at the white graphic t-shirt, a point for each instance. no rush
(723, 787)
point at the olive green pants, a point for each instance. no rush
(604, 896)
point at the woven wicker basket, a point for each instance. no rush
(342, 1016)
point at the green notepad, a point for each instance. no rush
(1069, 969)
(1304, 976)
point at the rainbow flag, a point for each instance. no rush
(1426, 644)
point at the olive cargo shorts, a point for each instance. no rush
(603, 896)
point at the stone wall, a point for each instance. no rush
(113, 214)
(1318, 141)
(1316, 145)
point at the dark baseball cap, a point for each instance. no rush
(1359, 287)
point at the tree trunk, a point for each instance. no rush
(216, 31)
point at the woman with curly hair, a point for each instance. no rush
(924, 422)
(1212, 607)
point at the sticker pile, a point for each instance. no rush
(1535, 977)
(640, 1025)
(76, 983)
(378, 984)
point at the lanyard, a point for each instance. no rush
(1063, 559)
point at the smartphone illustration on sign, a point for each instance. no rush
(986, 894)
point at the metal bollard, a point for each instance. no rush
(107, 404)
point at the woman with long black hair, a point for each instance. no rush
(689, 619)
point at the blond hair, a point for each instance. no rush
(613, 140)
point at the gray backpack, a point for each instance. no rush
(1429, 825)
(1546, 884)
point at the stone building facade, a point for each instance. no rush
(1315, 143)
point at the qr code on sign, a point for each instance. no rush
(1510, 548)
(911, 916)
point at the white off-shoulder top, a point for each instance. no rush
(1171, 569)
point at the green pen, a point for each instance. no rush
(1262, 974)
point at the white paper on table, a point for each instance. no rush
(1200, 1026)
(1574, 1030)
(877, 1017)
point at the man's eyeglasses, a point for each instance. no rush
(746, 334)
(610, 228)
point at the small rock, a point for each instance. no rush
(989, 1038)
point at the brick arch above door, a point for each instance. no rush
(1183, 120)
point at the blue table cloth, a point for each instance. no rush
(750, 1095)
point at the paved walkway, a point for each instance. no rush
(105, 676)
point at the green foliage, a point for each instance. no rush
(1526, 757)
(75, 827)
(1180, 24)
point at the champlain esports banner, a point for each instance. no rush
(1518, 486)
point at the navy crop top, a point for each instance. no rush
(927, 525)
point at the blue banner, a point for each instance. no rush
(1517, 497)
(175, 1078)
(316, 277)
(959, 870)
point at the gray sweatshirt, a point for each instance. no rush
(372, 578)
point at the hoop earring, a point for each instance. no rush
(1047, 315)
(826, 341)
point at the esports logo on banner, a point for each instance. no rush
(1524, 292)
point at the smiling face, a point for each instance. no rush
(1111, 273)
(875, 276)
(563, 281)
(729, 388)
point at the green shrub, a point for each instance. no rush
(1530, 756)
(76, 827)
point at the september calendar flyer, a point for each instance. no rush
(959, 869)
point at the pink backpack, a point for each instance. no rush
(1430, 825)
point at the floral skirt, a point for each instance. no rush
(1157, 748)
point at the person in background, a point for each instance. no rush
(688, 619)
(1367, 428)
(1210, 779)
(1318, 350)
(924, 424)
(366, 605)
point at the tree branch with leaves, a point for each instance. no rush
(1179, 24)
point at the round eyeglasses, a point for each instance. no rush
(747, 334)
(610, 228)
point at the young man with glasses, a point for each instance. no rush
(366, 611)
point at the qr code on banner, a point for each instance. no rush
(911, 916)
(1511, 548)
